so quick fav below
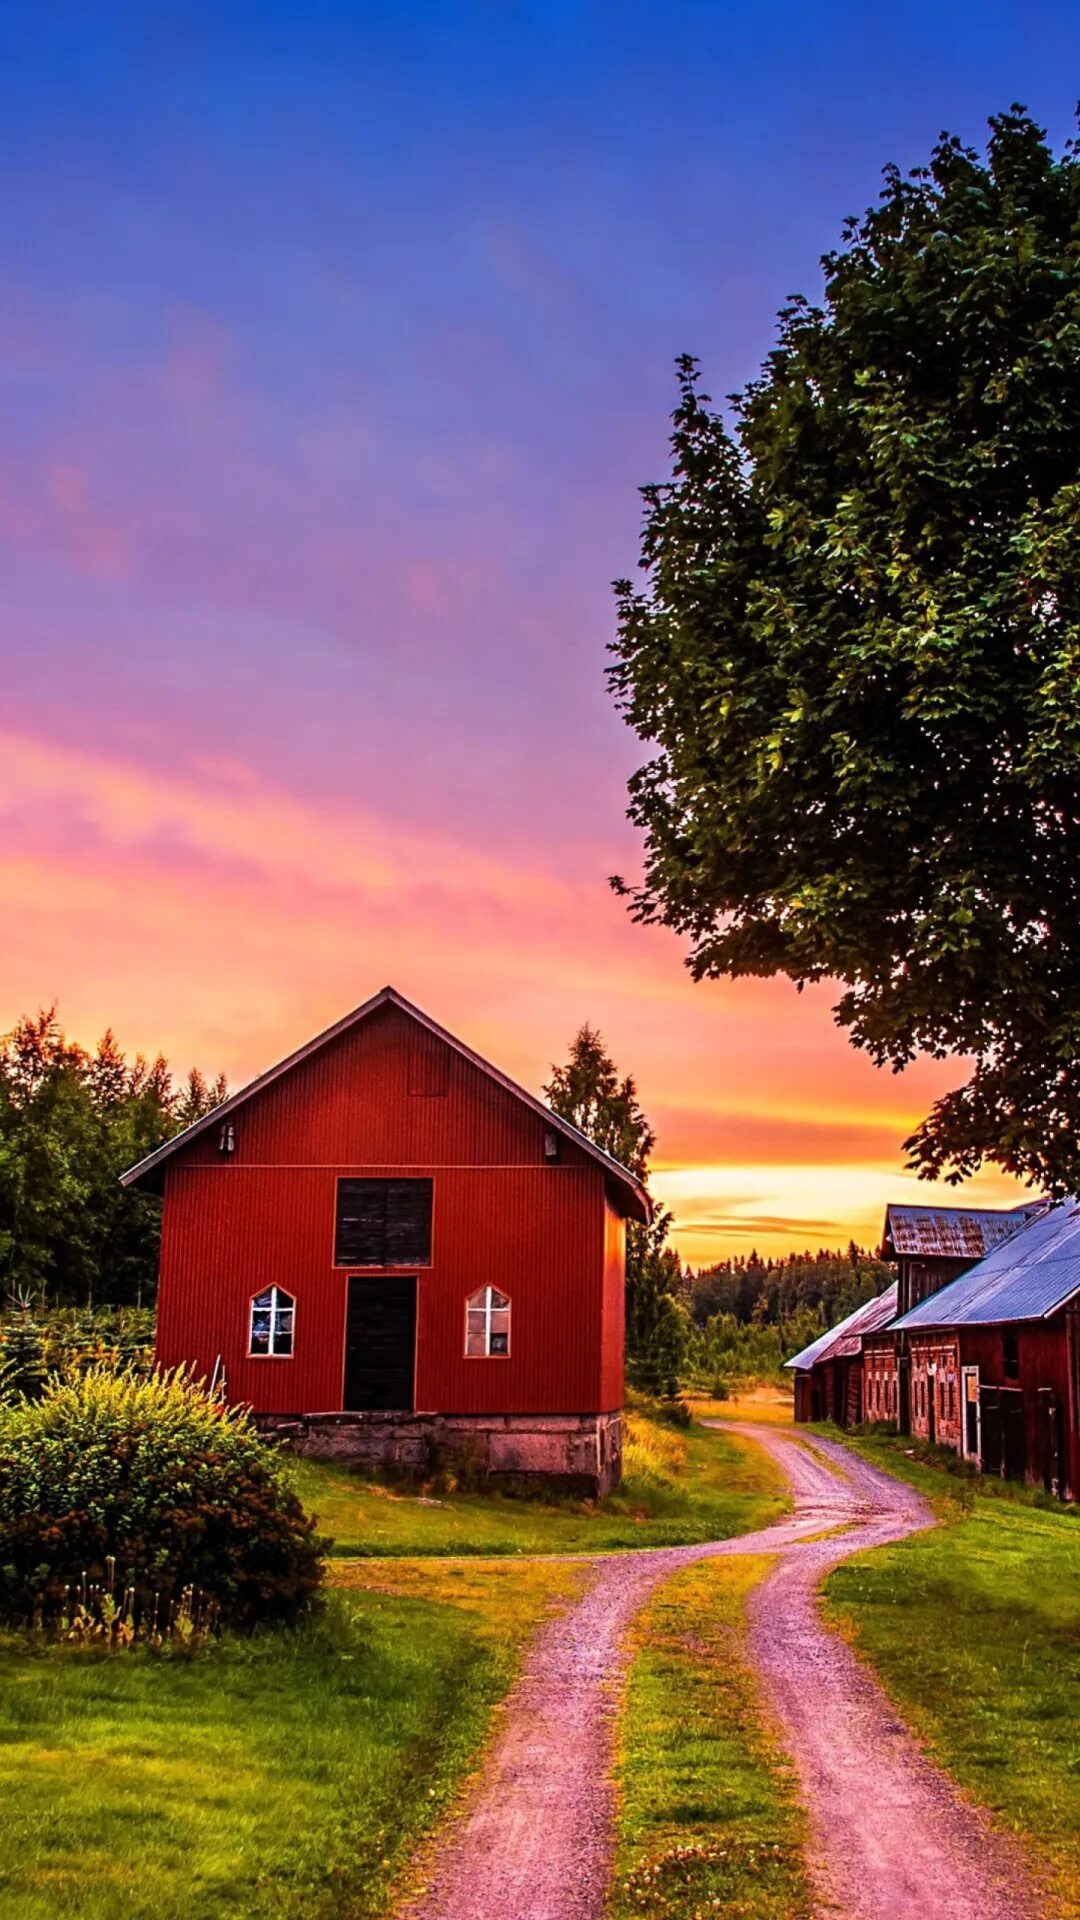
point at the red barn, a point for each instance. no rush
(831, 1373)
(394, 1254)
(995, 1356)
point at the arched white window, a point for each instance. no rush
(487, 1325)
(272, 1315)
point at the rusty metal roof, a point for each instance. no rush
(845, 1340)
(952, 1233)
(1027, 1277)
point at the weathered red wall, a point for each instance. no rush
(879, 1382)
(1044, 1356)
(613, 1309)
(943, 1349)
(544, 1233)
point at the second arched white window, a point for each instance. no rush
(487, 1325)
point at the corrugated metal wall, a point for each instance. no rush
(503, 1216)
(613, 1308)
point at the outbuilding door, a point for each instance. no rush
(972, 1437)
(1001, 1421)
(380, 1344)
(903, 1392)
(1050, 1440)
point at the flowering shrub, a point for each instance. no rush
(174, 1488)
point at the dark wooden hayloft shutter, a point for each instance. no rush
(383, 1223)
(408, 1223)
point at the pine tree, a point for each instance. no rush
(70, 1122)
(23, 1354)
(589, 1092)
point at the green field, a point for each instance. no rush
(975, 1630)
(290, 1776)
(285, 1776)
(708, 1822)
(680, 1487)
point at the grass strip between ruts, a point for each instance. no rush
(708, 1821)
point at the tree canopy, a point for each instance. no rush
(70, 1123)
(856, 654)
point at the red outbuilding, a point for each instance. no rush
(394, 1254)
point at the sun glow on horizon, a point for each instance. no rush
(225, 920)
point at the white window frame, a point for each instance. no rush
(280, 1303)
(482, 1300)
(966, 1374)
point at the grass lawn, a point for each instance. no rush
(291, 1776)
(287, 1776)
(708, 1821)
(680, 1487)
(975, 1630)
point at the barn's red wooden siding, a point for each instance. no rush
(389, 1098)
(1046, 1353)
(613, 1309)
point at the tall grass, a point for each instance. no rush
(653, 1454)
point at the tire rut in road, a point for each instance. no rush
(891, 1836)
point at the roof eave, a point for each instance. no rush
(640, 1205)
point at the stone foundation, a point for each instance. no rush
(570, 1453)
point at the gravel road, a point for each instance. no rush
(890, 1837)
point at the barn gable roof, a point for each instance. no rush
(1028, 1277)
(846, 1338)
(633, 1194)
(951, 1233)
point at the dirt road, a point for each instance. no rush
(890, 1837)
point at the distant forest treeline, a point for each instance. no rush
(70, 1122)
(826, 1284)
(748, 1315)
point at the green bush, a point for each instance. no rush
(177, 1489)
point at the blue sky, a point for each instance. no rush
(335, 342)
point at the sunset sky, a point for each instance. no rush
(334, 343)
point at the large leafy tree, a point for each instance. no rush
(856, 653)
(589, 1092)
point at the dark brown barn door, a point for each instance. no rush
(1013, 1434)
(380, 1341)
(1050, 1440)
(990, 1424)
(1004, 1448)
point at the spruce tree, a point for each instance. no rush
(589, 1092)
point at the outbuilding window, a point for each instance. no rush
(273, 1313)
(487, 1325)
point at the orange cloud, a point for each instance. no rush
(223, 918)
